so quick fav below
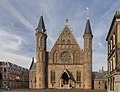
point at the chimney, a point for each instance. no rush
(102, 69)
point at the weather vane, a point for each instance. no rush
(87, 12)
(66, 21)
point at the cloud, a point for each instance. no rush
(20, 60)
(10, 48)
(19, 17)
(14, 35)
(99, 61)
(9, 41)
(16, 14)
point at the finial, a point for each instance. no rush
(41, 12)
(87, 12)
(66, 21)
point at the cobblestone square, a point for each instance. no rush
(52, 90)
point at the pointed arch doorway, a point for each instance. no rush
(66, 79)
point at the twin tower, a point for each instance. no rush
(66, 65)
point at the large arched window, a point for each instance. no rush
(52, 76)
(76, 57)
(55, 57)
(78, 76)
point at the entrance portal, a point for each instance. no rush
(65, 78)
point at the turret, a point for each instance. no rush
(41, 55)
(88, 56)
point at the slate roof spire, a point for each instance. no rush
(41, 26)
(88, 28)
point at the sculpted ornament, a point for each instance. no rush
(65, 57)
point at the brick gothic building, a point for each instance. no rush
(66, 65)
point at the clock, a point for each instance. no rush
(65, 57)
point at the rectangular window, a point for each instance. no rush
(4, 69)
(114, 63)
(78, 76)
(111, 65)
(108, 67)
(113, 83)
(111, 44)
(0, 75)
(52, 76)
(113, 39)
(35, 79)
(110, 84)
(108, 49)
(0, 69)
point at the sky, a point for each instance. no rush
(19, 19)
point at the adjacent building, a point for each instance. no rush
(100, 80)
(32, 74)
(113, 44)
(13, 75)
(66, 65)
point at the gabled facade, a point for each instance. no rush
(66, 65)
(63, 58)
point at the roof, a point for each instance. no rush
(88, 28)
(41, 26)
(33, 65)
(117, 15)
(99, 75)
(9, 64)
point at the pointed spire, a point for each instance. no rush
(41, 26)
(88, 28)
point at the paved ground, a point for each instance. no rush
(52, 90)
